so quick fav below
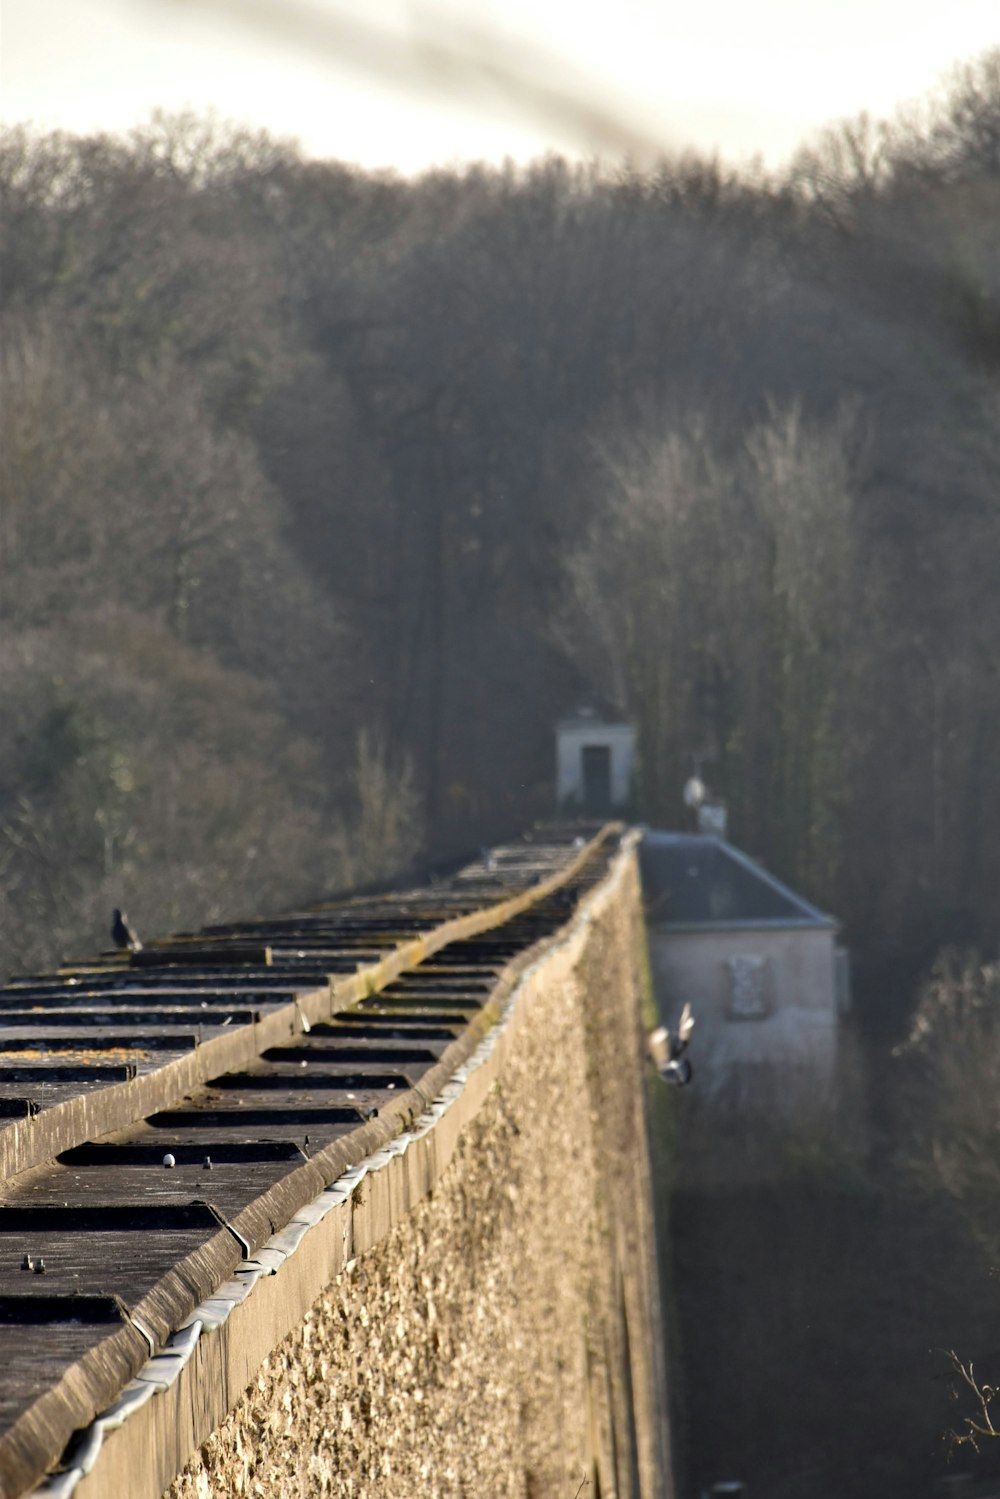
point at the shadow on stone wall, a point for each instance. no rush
(813, 1291)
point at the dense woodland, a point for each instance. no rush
(324, 493)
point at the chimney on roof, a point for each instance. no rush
(713, 819)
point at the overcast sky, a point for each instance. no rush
(408, 84)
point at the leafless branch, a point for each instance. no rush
(979, 1426)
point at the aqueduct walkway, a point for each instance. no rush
(353, 1201)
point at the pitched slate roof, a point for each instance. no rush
(693, 881)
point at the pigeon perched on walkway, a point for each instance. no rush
(667, 1050)
(122, 934)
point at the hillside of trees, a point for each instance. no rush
(324, 493)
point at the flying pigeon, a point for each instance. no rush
(667, 1050)
(122, 934)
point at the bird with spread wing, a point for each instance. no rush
(667, 1048)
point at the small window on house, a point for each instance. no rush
(842, 979)
(749, 987)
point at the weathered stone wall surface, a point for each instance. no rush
(784, 1059)
(503, 1338)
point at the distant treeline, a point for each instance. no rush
(324, 493)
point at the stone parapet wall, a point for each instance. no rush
(484, 1317)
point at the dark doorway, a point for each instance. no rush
(596, 779)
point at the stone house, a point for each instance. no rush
(759, 965)
(595, 763)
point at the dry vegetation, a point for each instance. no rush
(292, 454)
